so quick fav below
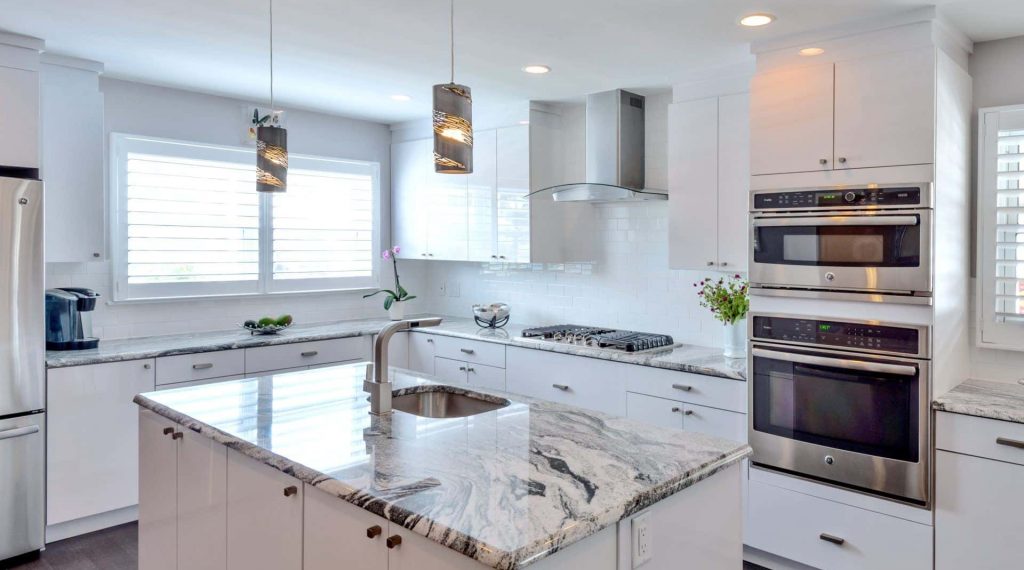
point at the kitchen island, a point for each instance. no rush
(290, 471)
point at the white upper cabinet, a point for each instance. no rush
(709, 181)
(859, 113)
(791, 120)
(483, 216)
(19, 117)
(885, 110)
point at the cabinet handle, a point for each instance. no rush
(1010, 442)
(676, 409)
(309, 353)
(842, 160)
(423, 255)
(467, 350)
(203, 366)
(147, 366)
(711, 264)
(725, 263)
(561, 387)
(168, 431)
(462, 369)
(471, 369)
(393, 541)
(430, 340)
(682, 387)
(494, 257)
(501, 257)
(374, 531)
(833, 539)
(688, 413)
(291, 490)
(823, 161)
(177, 435)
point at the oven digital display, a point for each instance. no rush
(853, 198)
(837, 333)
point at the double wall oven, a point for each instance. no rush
(865, 239)
(841, 401)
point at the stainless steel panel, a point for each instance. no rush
(844, 363)
(22, 450)
(806, 221)
(924, 335)
(861, 296)
(854, 279)
(927, 197)
(22, 342)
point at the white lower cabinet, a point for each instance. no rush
(681, 415)
(450, 370)
(422, 350)
(304, 354)
(572, 380)
(182, 497)
(469, 374)
(335, 530)
(264, 518)
(93, 439)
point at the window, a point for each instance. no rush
(1001, 227)
(187, 222)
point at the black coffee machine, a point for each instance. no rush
(67, 325)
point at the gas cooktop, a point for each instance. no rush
(626, 341)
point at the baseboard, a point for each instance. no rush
(93, 523)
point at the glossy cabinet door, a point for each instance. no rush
(885, 110)
(712, 421)
(339, 535)
(414, 552)
(485, 376)
(264, 517)
(158, 492)
(733, 181)
(481, 206)
(421, 352)
(978, 506)
(451, 371)
(513, 186)
(447, 209)
(584, 382)
(19, 117)
(93, 438)
(410, 217)
(693, 184)
(791, 112)
(655, 411)
(202, 502)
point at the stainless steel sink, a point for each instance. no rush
(439, 404)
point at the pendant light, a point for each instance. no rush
(271, 140)
(453, 119)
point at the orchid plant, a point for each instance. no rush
(398, 294)
(728, 300)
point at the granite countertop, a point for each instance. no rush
(985, 399)
(685, 358)
(507, 487)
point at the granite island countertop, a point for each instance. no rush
(686, 358)
(985, 399)
(506, 488)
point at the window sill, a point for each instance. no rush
(242, 296)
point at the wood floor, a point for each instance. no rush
(114, 548)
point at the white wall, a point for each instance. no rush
(996, 68)
(140, 109)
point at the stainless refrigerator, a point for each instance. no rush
(22, 368)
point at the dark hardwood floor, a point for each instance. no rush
(114, 548)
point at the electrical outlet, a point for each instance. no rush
(643, 542)
(442, 289)
(454, 290)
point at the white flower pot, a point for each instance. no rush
(397, 311)
(735, 339)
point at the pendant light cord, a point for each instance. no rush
(451, 34)
(271, 56)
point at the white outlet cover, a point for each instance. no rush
(643, 541)
(442, 289)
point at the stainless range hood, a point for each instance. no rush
(615, 153)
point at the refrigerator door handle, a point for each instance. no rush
(18, 432)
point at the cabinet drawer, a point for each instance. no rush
(719, 423)
(473, 351)
(795, 526)
(451, 371)
(655, 411)
(572, 380)
(983, 437)
(298, 354)
(199, 382)
(200, 366)
(486, 376)
(699, 389)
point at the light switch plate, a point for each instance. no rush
(643, 542)
(442, 289)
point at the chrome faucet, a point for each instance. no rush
(376, 382)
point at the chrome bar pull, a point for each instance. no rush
(562, 387)
(1010, 442)
(831, 538)
(683, 387)
(18, 432)
(203, 366)
(309, 353)
(467, 350)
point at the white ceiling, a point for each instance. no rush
(348, 57)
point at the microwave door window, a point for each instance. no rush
(839, 246)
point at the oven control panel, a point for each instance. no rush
(862, 336)
(838, 198)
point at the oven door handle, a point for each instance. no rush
(898, 369)
(847, 220)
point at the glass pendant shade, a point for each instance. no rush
(271, 159)
(453, 129)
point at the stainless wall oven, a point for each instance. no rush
(846, 402)
(869, 239)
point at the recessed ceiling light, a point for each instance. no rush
(536, 69)
(401, 98)
(812, 51)
(755, 20)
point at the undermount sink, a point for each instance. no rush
(440, 404)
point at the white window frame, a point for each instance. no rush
(990, 333)
(121, 144)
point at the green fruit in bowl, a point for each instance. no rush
(267, 321)
(249, 324)
(284, 320)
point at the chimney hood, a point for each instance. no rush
(615, 153)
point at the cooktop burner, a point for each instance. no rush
(627, 341)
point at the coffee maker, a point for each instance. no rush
(68, 325)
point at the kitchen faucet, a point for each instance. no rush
(376, 382)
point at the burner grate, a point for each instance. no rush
(627, 341)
